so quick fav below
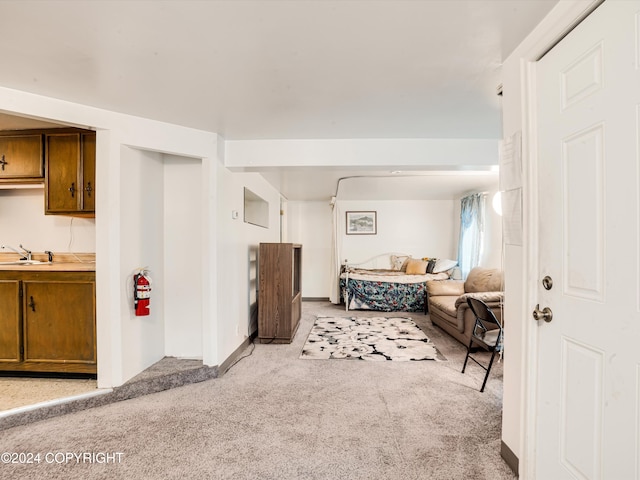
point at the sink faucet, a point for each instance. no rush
(25, 256)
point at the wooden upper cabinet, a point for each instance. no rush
(63, 159)
(70, 173)
(21, 158)
(89, 171)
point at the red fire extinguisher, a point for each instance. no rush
(142, 292)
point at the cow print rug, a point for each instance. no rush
(372, 338)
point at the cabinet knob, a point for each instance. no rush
(3, 162)
(88, 189)
(72, 189)
(32, 304)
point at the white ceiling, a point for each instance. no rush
(274, 69)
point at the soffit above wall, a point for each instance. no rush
(417, 186)
(319, 184)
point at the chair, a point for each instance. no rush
(487, 334)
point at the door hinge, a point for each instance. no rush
(21, 349)
(20, 290)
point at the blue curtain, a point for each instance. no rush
(471, 232)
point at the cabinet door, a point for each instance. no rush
(10, 325)
(59, 322)
(63, 160)
(88, 172)
(21, 158)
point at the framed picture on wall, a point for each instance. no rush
(362, 223)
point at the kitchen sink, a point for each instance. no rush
(23, 262)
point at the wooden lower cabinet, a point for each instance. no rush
(49, 325)
(10, 322)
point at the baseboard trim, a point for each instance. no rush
(315, 299)
(509, 457)
(235, 356)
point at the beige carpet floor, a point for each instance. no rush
(21, 392)
(275, 416)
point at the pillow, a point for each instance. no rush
(431, 265)
(443, 264)
(399, 262)
(436, 288)
(416, 267)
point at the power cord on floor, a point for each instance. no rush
(242, 358)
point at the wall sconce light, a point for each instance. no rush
(496, 203)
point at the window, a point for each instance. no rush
(471, 232)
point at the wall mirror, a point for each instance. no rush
(256, 209)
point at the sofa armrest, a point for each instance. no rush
(487, 297)
(445, 287)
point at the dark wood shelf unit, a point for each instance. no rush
(279, 291)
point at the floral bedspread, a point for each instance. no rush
(385, 296)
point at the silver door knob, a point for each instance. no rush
(545, 314)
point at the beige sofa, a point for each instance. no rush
(447, 300)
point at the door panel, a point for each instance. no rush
(59, 322)
(583, 203)
(89, 172)
(10, 338)
(582, 78)
(23, 156)
(63, 159)
(581, 409)
(588, 99)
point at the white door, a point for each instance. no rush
(588, 405)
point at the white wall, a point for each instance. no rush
(404, 152)
(163, 234)
(161, 215)
(237, 254)
(183, 256)
(421, 228)
(424, 228)
(22, 221)
(142, 338)
(493, 250)
(309, 223)
(161, 211)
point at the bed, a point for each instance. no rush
(388, 282)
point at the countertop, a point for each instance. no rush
(62, 262)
